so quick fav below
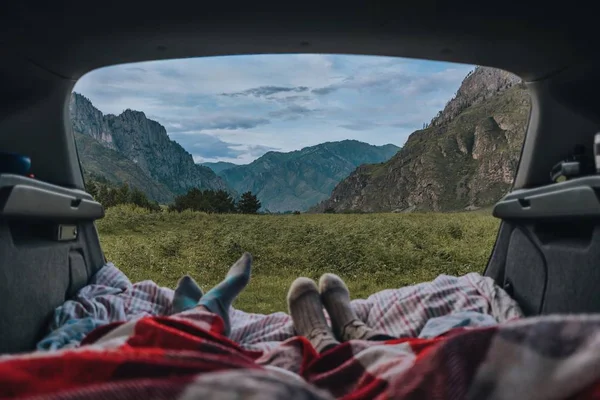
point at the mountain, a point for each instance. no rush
(98, 160)
(146, 144)
(300, 179)
(466, 158)
(219, 166)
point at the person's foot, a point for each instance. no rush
(346, 325)
(187, 294)
(306, 310)
(218, 299)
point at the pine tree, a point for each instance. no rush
(92, 189)
(122, 194)
(110, 199)
(101, 194)
(248, 204)
(223, 202)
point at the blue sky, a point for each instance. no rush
(236, 108)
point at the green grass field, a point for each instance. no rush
(370, 251)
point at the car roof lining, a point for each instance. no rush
(531, 45)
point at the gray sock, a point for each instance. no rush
(346, 325)
(306, 310)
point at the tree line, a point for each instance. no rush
(109, 195)
(216, 201)
(210, 201)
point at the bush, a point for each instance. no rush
(210, 201)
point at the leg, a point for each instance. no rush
(346, 324)
(219, 299)
(306, 310)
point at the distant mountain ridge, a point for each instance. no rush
(219, 166)
(465, 158)
(171, 170)
(300, 179)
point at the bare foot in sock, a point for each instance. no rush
(306, 310)
(346, 325)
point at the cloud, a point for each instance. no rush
(401, 81)
(205, 146)
(171, 73)
(360, 125)
(197, 124)
(292, 112)
(238, 107)
(326, 89)
(232, 122)
(209, 147)
(265, 91)
(136, 69)
(255, 151)
(294, 99)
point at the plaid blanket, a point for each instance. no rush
(405, 312)
(109, 297)
(185, 356)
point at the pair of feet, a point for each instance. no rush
(306, 302)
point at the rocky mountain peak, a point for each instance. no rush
(465, 159)
(87, 119)
(144, 142)
(479, 85)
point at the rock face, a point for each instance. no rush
(101, 161)
(88, 120)
(465, 159)
(146, 144)
(481, 84)
(300, 179)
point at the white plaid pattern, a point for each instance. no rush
(402, 312)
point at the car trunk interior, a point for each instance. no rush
(548, 244)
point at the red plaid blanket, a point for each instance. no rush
(185, 356)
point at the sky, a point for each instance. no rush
(236, 108)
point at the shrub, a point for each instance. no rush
(248, 204)
(210, 201)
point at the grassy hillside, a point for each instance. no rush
(370, 251)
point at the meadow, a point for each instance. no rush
(370, 252)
